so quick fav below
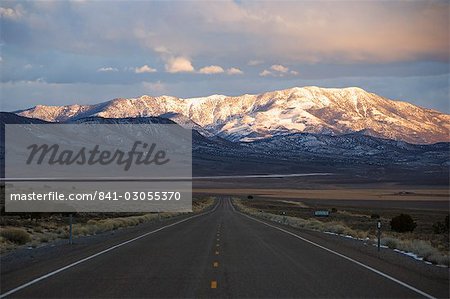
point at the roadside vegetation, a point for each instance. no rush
(358, 224)
(36, 229)
(15, 235)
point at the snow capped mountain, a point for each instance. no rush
(296, 110)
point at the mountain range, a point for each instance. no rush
(355, 157)
(357, 135)
(246, 118)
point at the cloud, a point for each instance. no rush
(157, 88)
(161, 50)
(212, 69)
(107, 69)
(12, 13)
(144, 69)
(255, 62)
(279, 68)
(291, 31)
(300, 31)
(345, 39)
(234, 71)
(179, 65)
(215, 69)
(265, 73)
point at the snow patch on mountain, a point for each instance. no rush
(333, 111)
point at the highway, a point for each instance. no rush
(220, 253)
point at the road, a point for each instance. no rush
(221, 253)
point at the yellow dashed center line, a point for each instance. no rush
(216, 263)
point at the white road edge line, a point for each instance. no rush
(99, 253)
(346, 257)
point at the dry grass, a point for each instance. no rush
(406, 242)
(93, 227)
(296, 203)
(202, 204)
(15, 235)
(19, 231)
(313, 224)
(421, 248)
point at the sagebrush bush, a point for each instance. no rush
(439, 228)
(15, 235)
(421, 248)
(390, 242)
(403, 223)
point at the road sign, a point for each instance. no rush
(322, 213)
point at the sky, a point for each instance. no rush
(86, 52)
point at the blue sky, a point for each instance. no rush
(64, 52)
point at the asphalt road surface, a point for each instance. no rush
(221, 253)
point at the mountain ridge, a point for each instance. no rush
(289, 153)
(311, 109)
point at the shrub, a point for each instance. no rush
(333, 210)
(250, 197)
(390, 242)
(336, 228)
(420, 248)
(15, 235)
(439, 227)
(403, 223)
(375, 216)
